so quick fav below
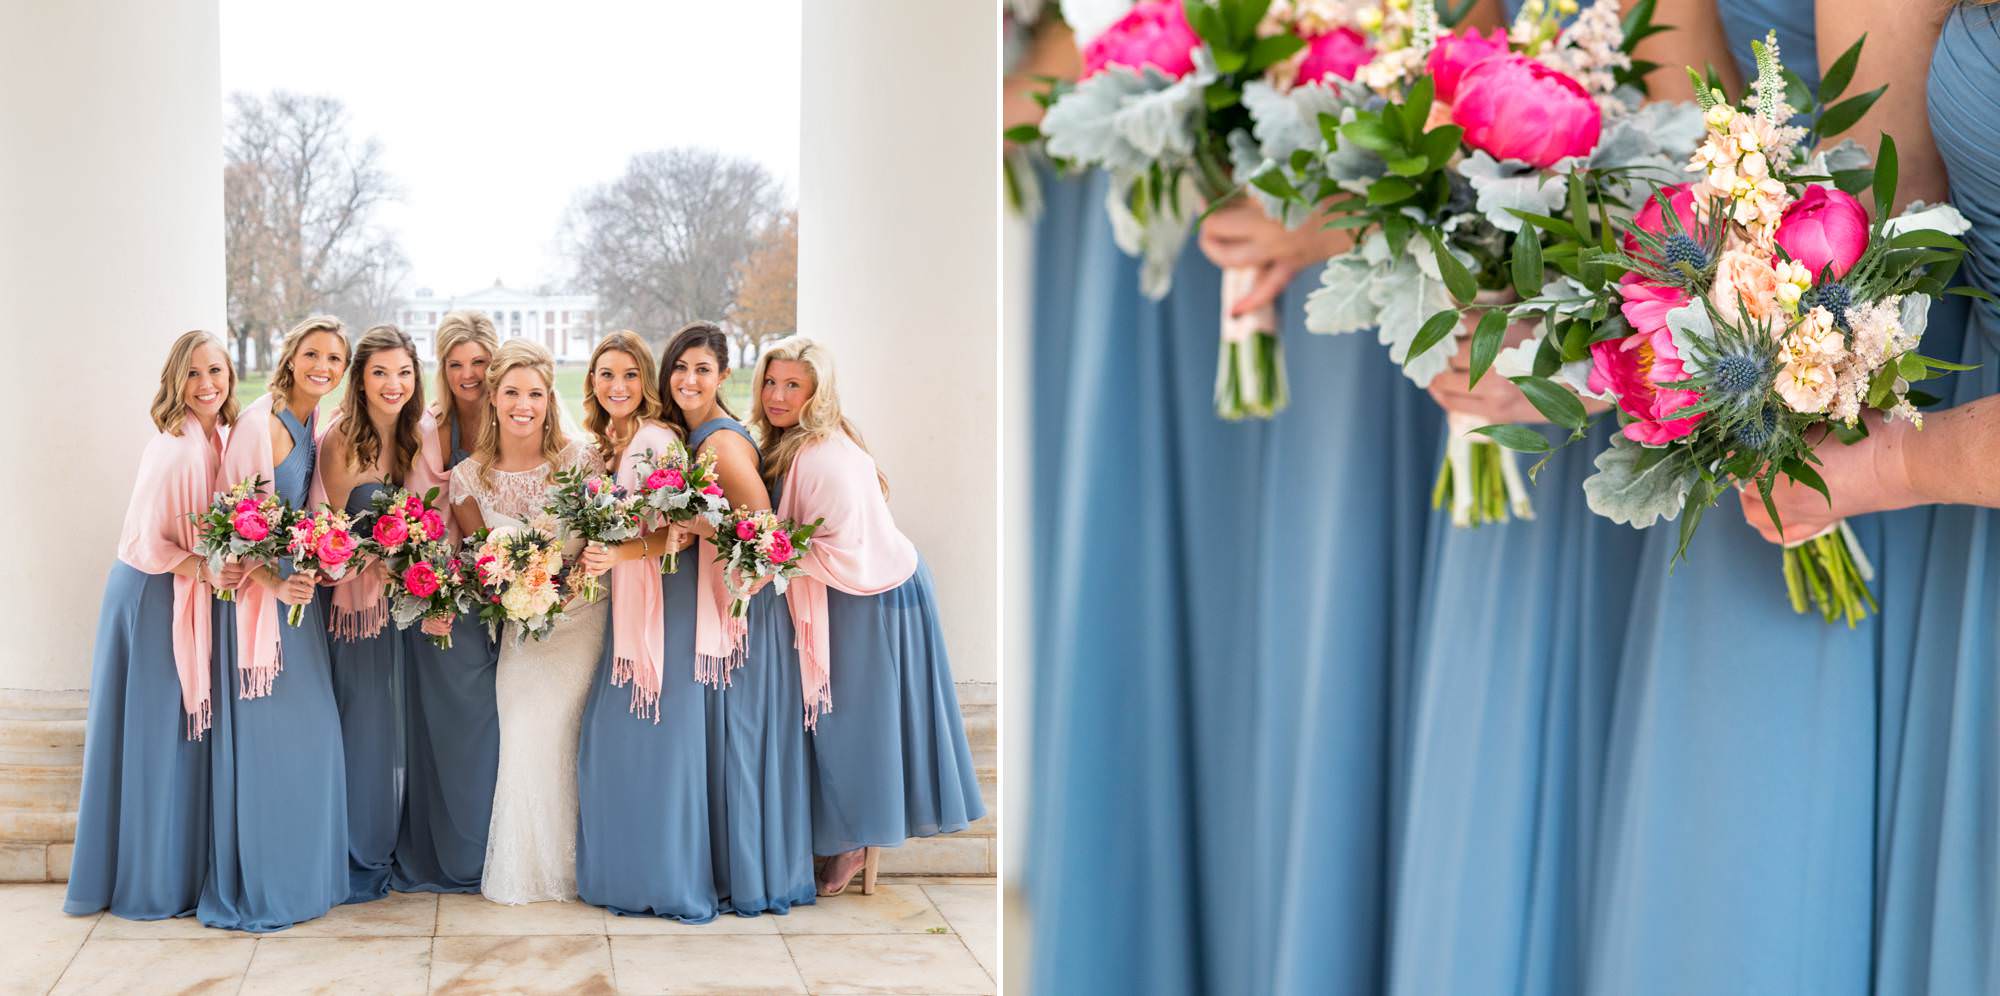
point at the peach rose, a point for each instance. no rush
(1749, 279)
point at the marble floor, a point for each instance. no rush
(915, 935)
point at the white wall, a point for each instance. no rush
(110, 246)
(898, 205)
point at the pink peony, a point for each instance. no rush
(421, 579)
(413, 507)
(1646, 303)
(391, 530)
(433, 523)
(656, 480)
(246, 505)
(1153, 34)
(335, 547)
(713, 489)
(1339, 52)
(1513, 107)
(251, 525)
(484, 567)
(1824, 228)
(674, 478)
(1650, 219)
(746, 530)
(593, 485)
(1455, 53)
(781, 548)
(1632, 369)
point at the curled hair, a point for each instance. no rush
(457, 329)
(170, 401)
(282, 378)
(693, 335)
(596, 418)
(818, 420)
(364, 443)
(515, 355)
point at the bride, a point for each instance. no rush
(540, 685)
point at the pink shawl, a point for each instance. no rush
(428, 470)
(360, 608)
(176, 480)
(638, 621)
(248, 455)
(858, 549)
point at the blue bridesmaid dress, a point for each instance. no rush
(1146, 577)
(367, 685)
(759, 756)
(1938, 837)
(142, 825)
(1735, 843)
(452, 754)
(642, 842)
(279, 775)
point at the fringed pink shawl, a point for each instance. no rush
(428, 470)
(858, 549)
(638, 621)
(248, 455)
(176, 480)
(360, 607)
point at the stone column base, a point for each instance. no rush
(41, 776)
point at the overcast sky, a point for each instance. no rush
(491, 116)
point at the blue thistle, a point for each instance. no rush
(1739, 375)
(1758, 432)
(1835, 298)
(1683, 249)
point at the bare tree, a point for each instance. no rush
(767, 288)
(661, 245)
(299, 198)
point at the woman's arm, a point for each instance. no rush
(1898, 55)
(336, 472)
(1697, 40)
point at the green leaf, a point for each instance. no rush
(1434, 330)
(1441, 143)
(1273, 182)
(1457, 278)
(1802, 472)
(1417, 108)
(1022, 134)
(1527, 262)
(1206, 22)
(1515, 437)
(1220, 95)
(1834, 81)
(1413, 166)
(1699, 495)
(1853, 181)
(1486, 341)
(1924, 237)
(1230, 60)
(1389, 190)
(1638, 19)
(1974, 292)
(1843, 115)
(1270, 51)
(1554, 226)
(1885, 176)
(1244, 16)
(1797, 93)
(1579, 208)
(1371, 134)
(1553, 400)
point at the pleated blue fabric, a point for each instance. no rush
(368, 686)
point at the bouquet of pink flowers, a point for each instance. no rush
(431, 581)
(400, 525)
(521, 578)
(321, 544)
(681, 488)
(243, 523)
(754, 545)
(595, 509)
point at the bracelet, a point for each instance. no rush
(645, 546)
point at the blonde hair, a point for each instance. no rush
(516, 354)
(170, 402)
(596, 418)
(818, 420)
(364, 443)
(457, 329)
(282, 378)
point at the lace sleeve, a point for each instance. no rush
(580, 455)
(464, 483)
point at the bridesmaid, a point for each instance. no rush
(760, 800)
(279, 777)
(142, 826)
(1938, 890)
(451, 724)
(642, 843)
(368, 447)
(890, 760)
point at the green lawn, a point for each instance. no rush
(569, 390)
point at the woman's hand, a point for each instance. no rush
(297, 589)
(598, 558)
(233, 573)
(1495, 400)
(437, 625)
(1868, 476)
(1239, 235)
(678, 536)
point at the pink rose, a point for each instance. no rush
(746, 530)
(713, 489)
(433, 523)
(1150, 34)
(413, 507)
(1632, 369)
(335, 547)
(674, 478)
(1339, 52)
(1646, 303)
(656, 480)
(251, 525)
(1746, 277)
(453, 566)
(593, 485)
(1650, 219)
(781, 548)
(483, 567)
(246, 505)
(1455, 53)
(1824, 228)
(1516, 108)
(421, 579)
(391, 530)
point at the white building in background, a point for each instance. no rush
(564, 323)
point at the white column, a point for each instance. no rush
(110, 246)
(898, 257)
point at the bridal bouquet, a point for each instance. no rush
(681, 488)
(321, 543)
(519, 570)
(1162, 93)
(400, 525)
(1763, 310)
(754, 545)
(244, 522)
(1452, 155)
(431, 581)
(594, 508)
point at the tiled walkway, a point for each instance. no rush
(913, 936)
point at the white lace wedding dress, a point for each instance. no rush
(540, 687)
